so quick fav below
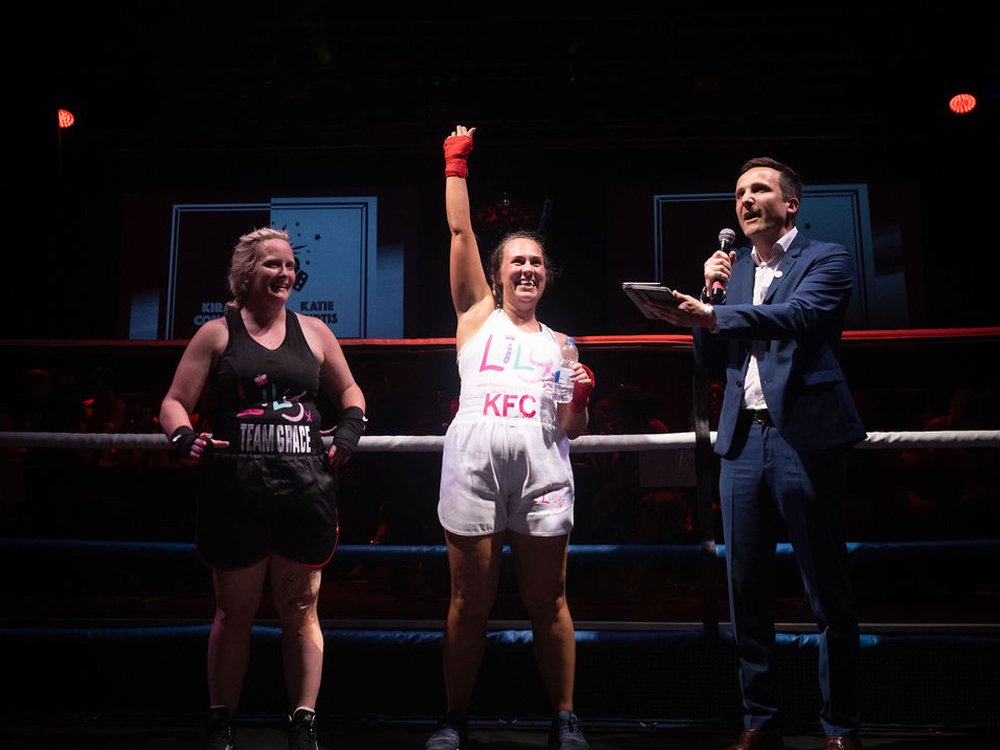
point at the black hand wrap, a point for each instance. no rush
(182, 439)
(349, 429)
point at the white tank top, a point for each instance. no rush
(507, 373)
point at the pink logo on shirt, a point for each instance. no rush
(528, 365)
(494, 406)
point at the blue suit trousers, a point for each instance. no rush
(765, 482)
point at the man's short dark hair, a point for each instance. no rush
(791, 183)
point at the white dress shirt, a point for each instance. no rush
(764, 274)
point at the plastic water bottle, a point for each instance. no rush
(562, 381)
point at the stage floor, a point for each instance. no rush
(155, 733)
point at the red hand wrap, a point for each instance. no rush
(582, 391)
(456, 153)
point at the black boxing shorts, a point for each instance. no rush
(250, 506)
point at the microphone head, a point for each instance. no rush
(726, 237)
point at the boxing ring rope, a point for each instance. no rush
(707, 551)
(962, 651)
(434, 443)
(966, 550)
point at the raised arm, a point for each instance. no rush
(470, 290)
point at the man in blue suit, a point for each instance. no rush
(787, 420)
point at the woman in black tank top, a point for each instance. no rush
(266, 495)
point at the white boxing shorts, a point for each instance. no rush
(500, 474)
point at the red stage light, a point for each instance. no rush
(960, 104)
(65, 118)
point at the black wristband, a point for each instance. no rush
(348, 431)
(182, 439)
(705, 296)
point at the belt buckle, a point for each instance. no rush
(760, 416)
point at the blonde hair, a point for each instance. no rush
(244, 262)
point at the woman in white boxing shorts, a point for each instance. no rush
(506, 475)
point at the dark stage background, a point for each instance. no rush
(582, 118)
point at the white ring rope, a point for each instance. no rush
(932, 439)
(434, 443)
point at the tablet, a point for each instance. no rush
(641, 292)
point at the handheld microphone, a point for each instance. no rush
(726, 239)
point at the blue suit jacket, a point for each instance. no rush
(801, 320)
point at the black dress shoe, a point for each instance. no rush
(758, 739)
(848, 742)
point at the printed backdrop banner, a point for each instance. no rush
(335, 246)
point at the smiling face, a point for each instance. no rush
(243, 266)
(522, 272)
(274, 272)
(765, 213)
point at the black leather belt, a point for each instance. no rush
(761, 416)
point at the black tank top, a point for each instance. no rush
(265, 401)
